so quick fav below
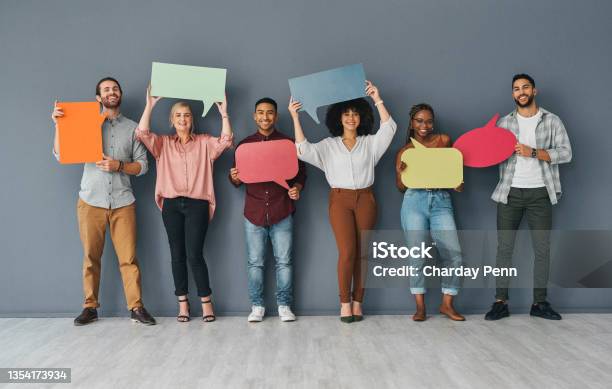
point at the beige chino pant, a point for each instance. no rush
(92, 228)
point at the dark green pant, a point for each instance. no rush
(536, 204)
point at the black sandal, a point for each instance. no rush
(208, 318)
(183, 318)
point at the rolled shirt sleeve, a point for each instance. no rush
(219, 144)
(152, 141)
(561, 152)
(139, 154)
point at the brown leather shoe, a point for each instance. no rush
(89, 315)
(140, 315)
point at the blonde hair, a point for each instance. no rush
(181, 104)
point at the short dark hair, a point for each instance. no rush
(107, 79)
(266, 100)
(333, 118)
(523, 76)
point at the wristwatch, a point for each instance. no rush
(534, 153)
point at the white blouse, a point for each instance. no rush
(346, 169)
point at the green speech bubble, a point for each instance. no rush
(188, 82)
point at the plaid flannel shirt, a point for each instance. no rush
(550, 136)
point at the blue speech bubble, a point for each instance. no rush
(328, 87)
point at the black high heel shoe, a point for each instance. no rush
(208, 318)
(183, 318)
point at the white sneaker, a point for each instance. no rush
(257, 314)
(285, 314)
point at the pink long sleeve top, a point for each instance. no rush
(185, 169)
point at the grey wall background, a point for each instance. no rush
(457, 55)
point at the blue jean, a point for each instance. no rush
(281, 236)
(426, 212)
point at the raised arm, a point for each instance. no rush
(372, 91)
(384, 136)
(306, 151)
(143, 133)
(294, 107)
(225, 141)
(226, 127)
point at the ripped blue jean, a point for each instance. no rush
(428, 213)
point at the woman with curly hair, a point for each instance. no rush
(429, 212)
(348, 159)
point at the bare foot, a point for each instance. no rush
(420, 314)
(447, 309)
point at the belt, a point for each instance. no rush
(341, 190)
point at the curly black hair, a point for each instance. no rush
(333, 118)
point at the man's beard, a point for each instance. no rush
(527, 104)
(108, 105)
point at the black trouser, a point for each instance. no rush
(186, 222)
(536, 204)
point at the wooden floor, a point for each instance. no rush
(318, 351)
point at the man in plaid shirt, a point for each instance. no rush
(529, 184)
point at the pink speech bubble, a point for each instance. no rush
(486, 146)
(274, 160)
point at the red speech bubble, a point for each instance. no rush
(274, 160)
(486, 146)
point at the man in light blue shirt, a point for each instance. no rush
(106, 200)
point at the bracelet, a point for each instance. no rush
(379, 103)
(225, 117)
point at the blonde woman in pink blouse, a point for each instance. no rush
(184, 192)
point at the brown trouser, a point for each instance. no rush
(350, 213)
(92, 228)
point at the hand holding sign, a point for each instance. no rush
(80, 131)
(188, 82)
(486, 146)
(431, 168)
(274, 160)
(328, 87)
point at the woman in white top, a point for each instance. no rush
(348, 159)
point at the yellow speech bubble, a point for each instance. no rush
(429, 168)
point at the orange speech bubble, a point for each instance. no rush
(274, 160)
(80, 132)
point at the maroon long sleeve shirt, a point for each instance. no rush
(268, 203)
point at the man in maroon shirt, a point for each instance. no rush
(268, 213)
